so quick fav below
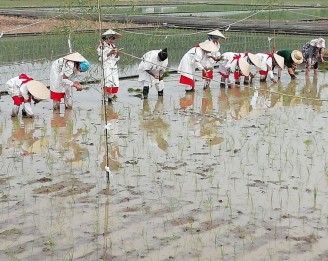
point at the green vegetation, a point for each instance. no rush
(324, 67)
(135, 44)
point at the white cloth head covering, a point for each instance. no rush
(319, 42)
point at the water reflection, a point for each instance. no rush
(209, 123)
(153, 124)
(65, 140)
(23, 139)
(114, 153)
(234, 103)
(187, 101)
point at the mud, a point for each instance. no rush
(221, 174)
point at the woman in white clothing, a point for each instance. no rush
(109, 55)
(233, 63)
(214, 36)
(23, 89)
(61, 73)
(196, 57)
(268, 61)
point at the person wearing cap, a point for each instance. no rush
(214, 36)
(233, 63)
(23, 89)
(313, 54)
(61, 73)
(109, 55)
(268, 61)
(292, 58)
(151, 70)
(196, 57)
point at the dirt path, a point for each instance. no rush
(14, 24)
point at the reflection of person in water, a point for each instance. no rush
(187, 101)
(113, 145)
(312, 90)
(65, 138)
(155, 127)
(209, 123)
(223, 103)
(239, 105)
(261, 98)
(23, 137)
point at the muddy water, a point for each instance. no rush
(235, 174)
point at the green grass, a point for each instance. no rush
(136, 43)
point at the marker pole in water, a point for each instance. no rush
(104, 96)
(69, 43)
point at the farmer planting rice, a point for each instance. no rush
(313, 54)
(23, 89)
(151, 71)
(268, 61)
(61, 73)
(196, 57)
(292, 58)
(233, 63)
(214, 36)
(109, 55)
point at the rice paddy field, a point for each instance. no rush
(221, 174)
(236, 173)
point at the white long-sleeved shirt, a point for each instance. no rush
(16, 87)
(60, 69)
(150, 62)
(194, 58)
(110, 61)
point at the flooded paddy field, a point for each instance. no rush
(221, 174)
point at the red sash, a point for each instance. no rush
(25, 78)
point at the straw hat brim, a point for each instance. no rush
(216, 33)
(75, 57)
(112, 32)
(280, 60)
(38, 90)
(297, 57)
(244, 67)
(255, 60)
(208, 46)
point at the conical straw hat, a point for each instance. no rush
(112, 32)
(75, 57)
(280, 60)
(255, 60)
(216, 33)
(244, 66)
(208, 46)
(38, 90)
(297, 57)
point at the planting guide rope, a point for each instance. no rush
(140, 33)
